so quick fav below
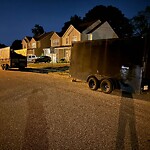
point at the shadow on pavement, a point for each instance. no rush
(44, 70)
(126, 123)
(36, 135)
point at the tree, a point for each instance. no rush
(113, 16)
(141, 22)
(37, 30)
(2, 45)
(16, 45)
(74, 20)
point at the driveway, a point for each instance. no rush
(48, 111)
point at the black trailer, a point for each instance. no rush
(112, 63)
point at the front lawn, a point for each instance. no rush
(47, 65)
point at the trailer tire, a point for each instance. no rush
(3, 67)
(6, 67)
(106, 86)
(93, 83)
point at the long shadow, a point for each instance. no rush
(35, 137)
(44, 70)
(127, 121)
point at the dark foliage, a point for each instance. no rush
(16, 45)
(37, 30)
(74, 20)
(112, 15)
(141, 22)
(2, 45)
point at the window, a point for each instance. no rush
(74, 38)
(67, 41)
(55, 42)
(33, 45)
(89, 36)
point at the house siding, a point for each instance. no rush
(64, 51)
(104, 32)
(70, 34)
(55, 40)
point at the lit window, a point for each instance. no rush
(74, 38)
(55, 42)
(33, 45)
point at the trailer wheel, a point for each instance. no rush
(3, 67)
(6, 67)
(93, 83)
(106, 86)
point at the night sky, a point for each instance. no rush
(18, 17)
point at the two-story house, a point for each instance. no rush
(36, 44)
(62, 45)
(40, 42)
(55, 41)
(26, 42)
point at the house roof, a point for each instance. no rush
(27, 39)
(95, 27)
(43, 35)
(85, 25)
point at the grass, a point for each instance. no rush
(47, 65)
(62, 68)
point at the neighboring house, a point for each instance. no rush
(98, 30)
(63, 49)
(55, 41)
(37, 44)
(40, 42)
(26, 42)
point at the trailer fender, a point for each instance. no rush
(93, 83)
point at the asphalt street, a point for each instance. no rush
(47, 111)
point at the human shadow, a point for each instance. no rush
(127, 121)
(36, 136)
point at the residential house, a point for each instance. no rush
(26, 42)
(55, 41)
(98, 30)
(63, 49)
(37, 44)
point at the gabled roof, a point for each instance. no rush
(43, 35)
(84, 26)
(96, 27)
(71, 26)
(27, 39)
(91, 26)
(99, 25)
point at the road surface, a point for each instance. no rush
(48, 111)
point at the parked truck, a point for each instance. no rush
(10, 59)
(112, 64)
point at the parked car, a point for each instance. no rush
(31, 58)
(63, 60)
(43, 59)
